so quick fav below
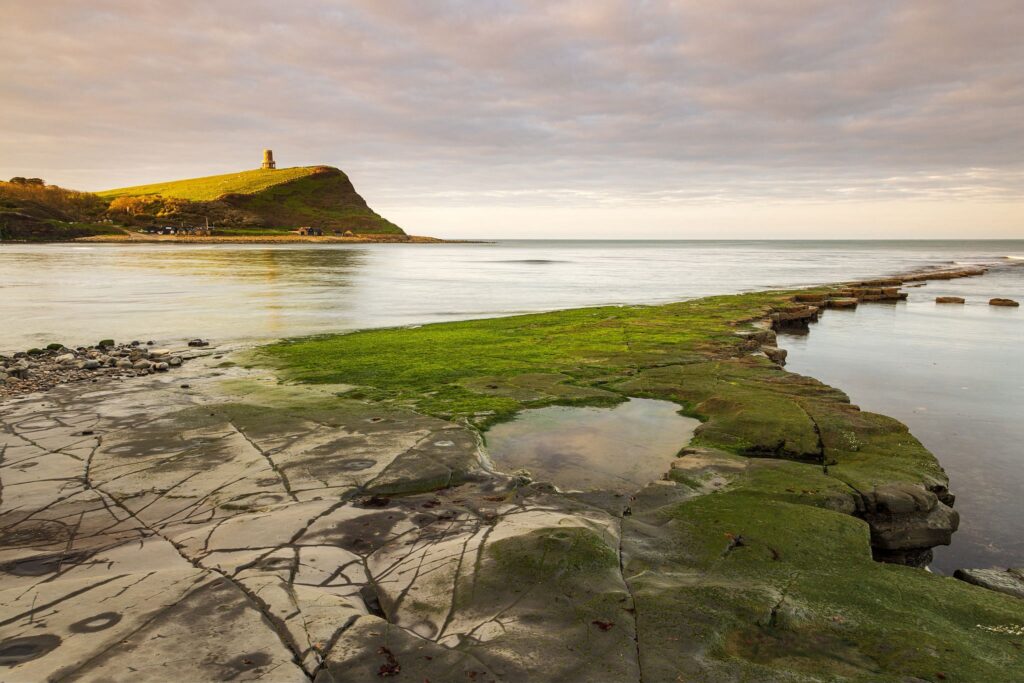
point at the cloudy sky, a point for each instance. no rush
(776, 118)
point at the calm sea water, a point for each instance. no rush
(954, 375)
(82, 293)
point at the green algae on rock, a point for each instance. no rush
(754, 561)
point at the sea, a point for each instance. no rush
(954, 374)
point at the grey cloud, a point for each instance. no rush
(536, 102)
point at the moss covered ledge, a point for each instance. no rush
(758, 565)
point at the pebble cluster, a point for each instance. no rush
(41, 369)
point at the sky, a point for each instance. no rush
(595, 119)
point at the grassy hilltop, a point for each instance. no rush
(318, 196)
(216, 186)
(258, 202)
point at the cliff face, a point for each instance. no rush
(324, 199)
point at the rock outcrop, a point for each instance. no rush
(1008, 581)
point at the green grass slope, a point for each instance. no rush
(215, 186)
(317, 196)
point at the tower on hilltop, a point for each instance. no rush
(268, 160)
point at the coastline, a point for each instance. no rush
(760, 536)
(139, 238)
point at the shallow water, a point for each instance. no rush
(587, 449)
(78, 293)
(954, 374)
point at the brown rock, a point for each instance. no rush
(775, 354)
(1002, 302)
(949, 300)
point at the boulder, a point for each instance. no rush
(142, 365)
(1002, 302)
(198, 342)
(160, 367)
(174, 361)
(906, 521)
(159, 352)
(775, 354)
(843, 302)
(794, 317)
(1008, 581)
(65, 358)
(19, 370)
(90, 364)
(949, 300)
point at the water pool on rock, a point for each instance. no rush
(620, 448)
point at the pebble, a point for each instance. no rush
(40, 369)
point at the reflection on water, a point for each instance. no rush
(954, 374)
(78, 293)
(616, 449)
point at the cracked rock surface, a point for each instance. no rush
(167, 533)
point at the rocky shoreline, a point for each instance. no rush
(41, 369)
(317, 513)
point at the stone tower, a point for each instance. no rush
(268, 160)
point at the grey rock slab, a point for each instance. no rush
(284, 533)
(1008, 581)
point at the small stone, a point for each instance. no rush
(775, 354)
(949, 300)
(159, 352)
(90, 364)
(174, 361)
(65, 358)
(105, 343)
(1003, 302)
(142, 365)
(198, 342)
(160, 367)
(124, 363)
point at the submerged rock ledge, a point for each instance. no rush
(346, 525)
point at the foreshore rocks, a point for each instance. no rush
(42, 369)
(1003, 302)
(1008, 581)
(794, 318)
(775, 354)
(944, 274)
(949, 300)
(349, 525)
(907, 521)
